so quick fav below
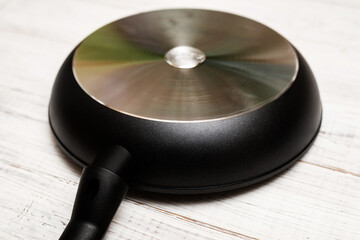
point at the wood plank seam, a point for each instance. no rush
(196, 222)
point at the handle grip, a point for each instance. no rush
(100, 192)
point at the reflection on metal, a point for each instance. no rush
(152, 65)
(184, 57)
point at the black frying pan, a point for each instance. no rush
(179, 101)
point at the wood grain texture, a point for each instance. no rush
(318, 198)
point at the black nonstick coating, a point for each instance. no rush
(187, 158)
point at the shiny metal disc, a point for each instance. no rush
(185, 65)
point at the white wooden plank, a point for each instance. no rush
(320, 204)
(316, 199)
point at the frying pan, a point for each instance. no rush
(180, 101)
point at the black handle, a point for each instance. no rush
(101, 189)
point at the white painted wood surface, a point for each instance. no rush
(318, 198)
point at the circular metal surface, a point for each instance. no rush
(134, 66)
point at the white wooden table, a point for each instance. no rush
(318, 198)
